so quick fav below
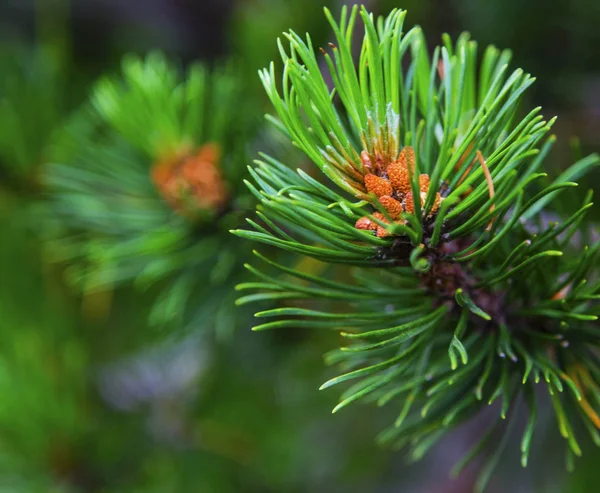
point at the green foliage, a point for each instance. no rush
(112, 219)
(32, 105)
(477, 294)
(42, 364)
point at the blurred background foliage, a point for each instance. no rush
(95, 400)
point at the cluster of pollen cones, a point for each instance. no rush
(193, 181)
(391, 183)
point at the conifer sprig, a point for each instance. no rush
(463, 294)
(148, 184)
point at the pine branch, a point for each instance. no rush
(462, 297)
(148, 184)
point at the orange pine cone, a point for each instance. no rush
(407, 158)
(382, 232)
(436, 203)
(366, 224)
(409, 203)
(392, 206)
(399, 177)
(194, 176)
(379, 186)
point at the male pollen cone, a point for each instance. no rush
(193, 181)
(399, 177)
(379, 186)
(382, 232)
(398, 171)
(392, 186)
(391, 205)
(365, 223)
